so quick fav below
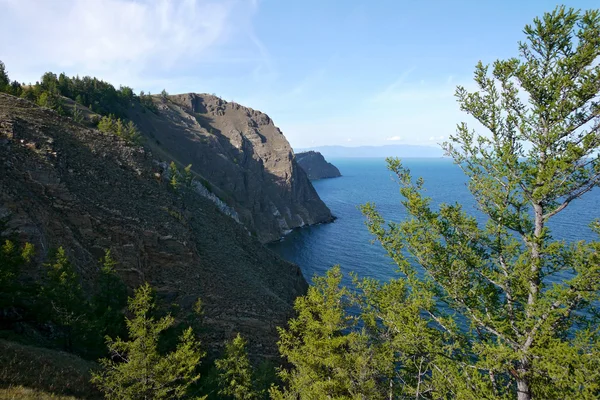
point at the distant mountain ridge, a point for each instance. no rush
(400, 150)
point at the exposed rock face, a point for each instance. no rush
(315, 165)
(62, 184)
(243, 156)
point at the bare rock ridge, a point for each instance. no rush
(64, 184)
(315, 166)
(240, 155)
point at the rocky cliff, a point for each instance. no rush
(315, 165)
(64, 184)
(240, 154)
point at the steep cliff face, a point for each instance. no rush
(315, 166)
(243, 156)
(63, 184)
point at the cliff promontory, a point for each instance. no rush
(315, 165)
(240, 154)
(65, 184)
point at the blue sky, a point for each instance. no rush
(328, 72)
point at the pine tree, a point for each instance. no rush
(132, 134)
(187, 176)
(109, 301)
(4, 80)
(77, 114)
(529, 302)
(63, 297)
(235, 372)
(12, 259)
(175, 180)
(136, 370)
(331, 358)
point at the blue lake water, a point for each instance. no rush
(347, 241)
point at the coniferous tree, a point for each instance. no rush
(12, 258)
(136, 370)
(529, 302)
(175, 180)
(109, 301)
(63, 298)
(77, 114)
(4, 80)
(187, 176)
(494, 310)
(235, 372)
(331, 358)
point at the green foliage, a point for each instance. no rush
(164, 96)
(330, 355)
(12, 259)
(4, 80)
(77, 114)
(531, 331)
(235, 372)
(175, 180)
(141, 372)
(63, 298)
(499, 310)
(147, 102)
(109, 301)
(51, 99)
(115, 126)
(187, 176)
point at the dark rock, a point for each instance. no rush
(179, 242)
(242, 155)
(316, 167)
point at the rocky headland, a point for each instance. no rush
(315, 166)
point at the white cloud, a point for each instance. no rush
(394, 138)
(120, 39)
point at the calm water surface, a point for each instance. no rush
(347, 241)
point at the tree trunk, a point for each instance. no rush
(523, 392)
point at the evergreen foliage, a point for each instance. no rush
(147, 102)
(531, 332)
(109, 301)
(331, 356)
(63, 298)
(115, 126)
(479, 311)
(12, 259)
(235, 372)
(175, 179)
(4, 81)
(136, 370)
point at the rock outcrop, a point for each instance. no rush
(315, 166)
(240, 154)
(64, 184)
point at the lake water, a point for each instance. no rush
(347, 241)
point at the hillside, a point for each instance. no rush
(245, 159)
(316, 167)
(65, 184)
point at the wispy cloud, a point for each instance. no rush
(394, 138)
(115, 38)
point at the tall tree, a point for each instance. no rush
(235, 372)
(136, 369)
(4, 80)
(519, 307)
(331, 358)
(63, 297)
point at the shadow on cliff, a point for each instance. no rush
(234, 174)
